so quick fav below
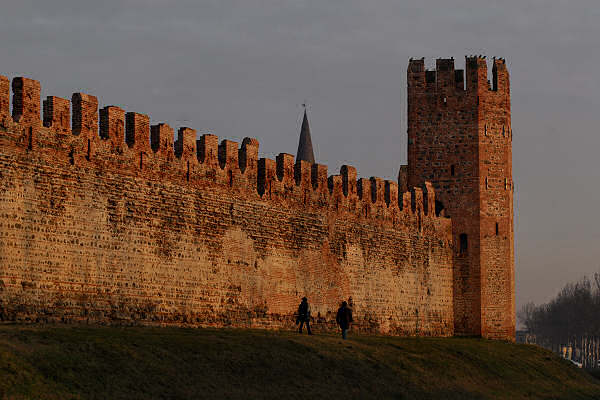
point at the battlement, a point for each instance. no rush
(447, 80)
(82, 135)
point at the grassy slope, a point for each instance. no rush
(133, 363)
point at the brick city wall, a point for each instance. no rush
(109, 220)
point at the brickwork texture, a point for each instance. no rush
(460, 140)
(112, 221)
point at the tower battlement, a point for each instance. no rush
(447, 80)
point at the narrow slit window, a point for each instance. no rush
(497, 230)
(30, 139)
(463, 243)
(452, 170)
(486, 183)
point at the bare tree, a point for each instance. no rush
(573, 313)
(526, 314)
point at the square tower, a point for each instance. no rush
(460, 139)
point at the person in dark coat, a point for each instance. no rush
(304, 315)
(344, 318)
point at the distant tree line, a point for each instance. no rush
(572, 314)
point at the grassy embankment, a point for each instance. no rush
(62, 362)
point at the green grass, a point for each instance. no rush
(64, 362)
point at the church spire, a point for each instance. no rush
(305, 149)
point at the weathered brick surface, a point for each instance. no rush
(161, 141)
(460, 138)
(4, 97)
(137, 131)
(26, 101)
(127, 226)
(99, 238)
(57, 114)
(85, 115)
(112, 126)
(185, 146)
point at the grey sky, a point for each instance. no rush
(243, 67)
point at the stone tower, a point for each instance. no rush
(460, 139)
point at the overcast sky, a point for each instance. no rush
(241, 68)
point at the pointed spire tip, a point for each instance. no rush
(305, 148)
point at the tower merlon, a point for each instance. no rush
(228, 155)
(319, 177)
(161, 140)
(207, 147)
(334, 184)
(137, 131)
(26, 101)
(391, 194)
(363, 188)
(403, 178)
(57, 114)
(476, 73)
(377, 190)
(417, 65)
(445, 76)
(112, 125)
(349, 180)
(4, 96)
(267, 177)
(85, 115)
(248, 158)
(185, 146)
(285, 169)
(500, 76)
(302, 174)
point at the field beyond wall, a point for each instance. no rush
(65, 362)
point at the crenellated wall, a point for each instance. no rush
(109, 219)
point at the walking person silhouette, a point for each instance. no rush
(344, 318)
(304, 315)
